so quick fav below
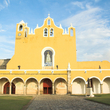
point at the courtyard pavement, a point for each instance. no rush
(64, 102)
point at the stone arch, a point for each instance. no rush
(3, 81)
(59, 77)
(43, 56)
(95, 84)
(19, 83)
(31, 77)
(60, 85)
(45, 86)
(106, 84)
(96, 78)
(78, 85)
(80, 78)
(105, 78)
(17, 77)
(31, 85)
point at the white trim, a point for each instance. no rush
(45, 78)
(47, 32)
(59, 78)
(30, 78)
(42, 53)
(5, 77)
(96, 78)
(80, 78)
(105, 78)
(54, 69)
(16, 78)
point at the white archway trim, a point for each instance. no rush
(105, 78)
(59, 78)
(16, 78)
(30, 78)
(45, 78)
(6, 78)
(42, 53)
(96, 78)
(80, 78)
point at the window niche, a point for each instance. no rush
(71, 32)
(48, 60)
(48, 22)
(20, 27)
(51, 32)
(25, 33)
(45, 32)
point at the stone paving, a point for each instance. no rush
(64, 102)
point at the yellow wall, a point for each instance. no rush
(28, 49)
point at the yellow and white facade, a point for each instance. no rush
(45, 62)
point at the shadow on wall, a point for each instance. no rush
(3, 63)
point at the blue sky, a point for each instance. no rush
(91, 19)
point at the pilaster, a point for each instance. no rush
(10, 88)
(69, 79)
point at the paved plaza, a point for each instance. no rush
(64, 102)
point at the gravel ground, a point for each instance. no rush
(64, 102)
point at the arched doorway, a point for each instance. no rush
(95, 84)
(7, 88)
(31, 86)
(78, 86)
(60, 86)
(19, 83)
(46, 86)
(106, 85)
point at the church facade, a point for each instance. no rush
(44, 62)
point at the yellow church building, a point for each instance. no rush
(44, 62)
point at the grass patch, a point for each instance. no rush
(13, 102)
(101, 98)
(82, 95)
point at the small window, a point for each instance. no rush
(51, 33)
(20, 27)
(48, 23)
(25, 33)
(45, 32)
(71, 32)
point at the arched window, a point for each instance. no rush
(20, 27)
(51, 32)
(71, 32)
(45, 32)
(48, 58)
(48, 22)
(25, 33)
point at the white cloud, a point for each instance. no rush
(1, 7)
(7, 2)
(92, 34)
(4, 4)
(1, 30)
(79, 4)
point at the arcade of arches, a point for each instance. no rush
(46, 86)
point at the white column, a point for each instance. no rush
(38, 88)
(24, 89)
(10, 89)
(52, 88)
(101, 88)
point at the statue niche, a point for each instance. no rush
(48, 58)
